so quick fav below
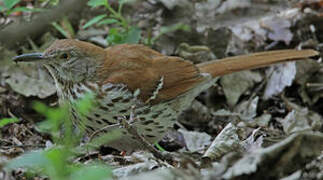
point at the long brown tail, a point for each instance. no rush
(251, 61)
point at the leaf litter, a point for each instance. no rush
(239, 134)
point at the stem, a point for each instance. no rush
(314, 84)
(120, 8)
(117, 15)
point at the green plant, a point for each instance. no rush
(123, 32)
(6, 121)
(55, 162)
(8, 7)
(159, 147)
(65, 28)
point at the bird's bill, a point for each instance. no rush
(29, 57)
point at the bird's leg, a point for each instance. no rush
(127, 124)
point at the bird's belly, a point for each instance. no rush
(114, 103)
(150, 122)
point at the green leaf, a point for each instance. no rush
(60, 29)
(32, 160)
(45, 126)
(50, 113)
(58, 161)
(54, 117)
(95, 3)
(97, 172)
(1, 8)
(117, 36)
(159, 147)
(10, 3)
(108, 21)
(85, 104)
(133, 36)
(114, 36)
(175, 27)
(6, 121)
(40, 107)
(67, 25)
(94, 20)
(53, 162)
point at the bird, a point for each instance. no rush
(135, 79)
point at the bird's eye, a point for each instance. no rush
(64, 56)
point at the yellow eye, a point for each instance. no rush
(64, 56)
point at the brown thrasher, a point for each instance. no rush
(167, 85)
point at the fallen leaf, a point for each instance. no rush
(235, 84)
(196, 141)
(279, 76)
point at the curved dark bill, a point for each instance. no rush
(29, 57)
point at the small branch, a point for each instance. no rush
(102, 130)
(16, 33)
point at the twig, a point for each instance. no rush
(102, 129)
(16, 33)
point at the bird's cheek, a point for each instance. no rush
(54, 61)
(75, 73)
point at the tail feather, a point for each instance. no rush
(251, 61)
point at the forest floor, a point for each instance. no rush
(265, 123)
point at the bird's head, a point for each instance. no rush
(68, 59)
